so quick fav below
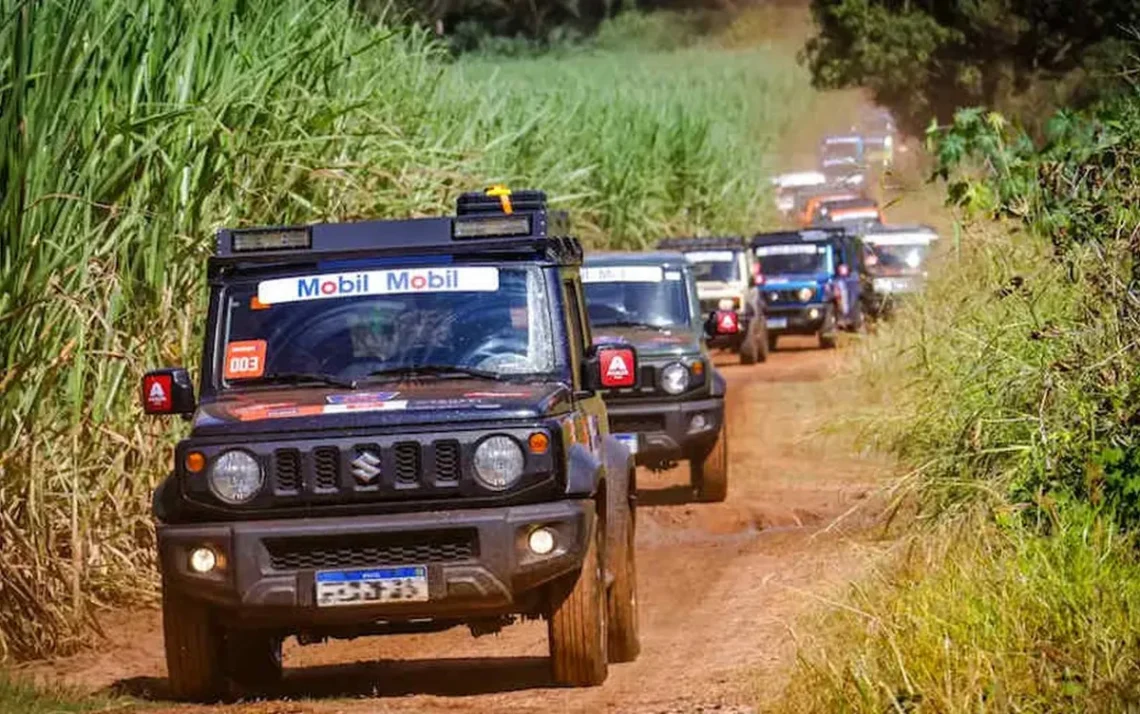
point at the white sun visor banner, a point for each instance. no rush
(481, 279)
(793, 249)
(623, 274)
(710, 256)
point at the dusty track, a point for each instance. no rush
(722, 587)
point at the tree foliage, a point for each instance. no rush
(925, 58)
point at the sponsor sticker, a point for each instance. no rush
(245, 359)
(623, 274)
(617, 368)
(361, 397)
(710, 256)
(672, 274)
(793, 249)
(157, 390)
(379, 282)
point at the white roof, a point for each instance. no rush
(797, 179)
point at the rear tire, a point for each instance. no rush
(195, 648)
(827, 332)
(576, 626)
(621, 603)
(710, 473)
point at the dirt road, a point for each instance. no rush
(722, 587)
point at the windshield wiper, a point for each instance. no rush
(299, 377)
(632, 323)
(435, 370)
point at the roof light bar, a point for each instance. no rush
(491, 226)
(248, 241)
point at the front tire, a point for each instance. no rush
(253, 660)
(195, 648)
(710, 473)
(621, 602)
(773, 339)
(576, 625)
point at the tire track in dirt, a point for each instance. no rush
(721, 587)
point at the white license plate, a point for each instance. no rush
(630, 441)
(370, 586)
(777, 323)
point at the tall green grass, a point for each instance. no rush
(131, 129)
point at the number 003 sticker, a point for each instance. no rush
(245, 359)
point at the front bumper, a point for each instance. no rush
(666, 427)
(477, 562)
(796, 320)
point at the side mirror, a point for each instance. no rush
(612, 365)
(722, 322)
(168, 391)
(842, 270)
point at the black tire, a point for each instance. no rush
(857, 322)
(576, 625)
(763, 341)
(828, 338)
(710, 473)
(748, 350)
(621, 601)
(195, 648)
(253, 660)
(772, 340)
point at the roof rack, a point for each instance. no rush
(695, 243)
(497, 223)
(805, 235)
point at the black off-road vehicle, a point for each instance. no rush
(400, 429)
(676, 412)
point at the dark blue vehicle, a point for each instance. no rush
(812, 283)
(400, 428)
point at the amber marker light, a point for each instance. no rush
(698, 368)
(195, 462)
(538, 443)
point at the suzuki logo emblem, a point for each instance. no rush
(366, 467)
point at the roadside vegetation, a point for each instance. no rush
(131, 130)
(1011, 390)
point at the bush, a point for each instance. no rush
(131, 130)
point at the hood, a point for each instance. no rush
(387, 404)
(791, 281)
(650, 343)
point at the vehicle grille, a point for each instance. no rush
(447, 461)
(326, 467)
(407, 461)
(776, 297)
(371, 550)
(640, 423)
(287, 469)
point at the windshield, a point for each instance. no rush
(353, 325)
(719, 265)
(794, 258)
(898, 257)
(847, 152)
(636, 295)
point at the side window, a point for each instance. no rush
(579, 330)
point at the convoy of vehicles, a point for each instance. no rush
(411, 425)
(400, 428)
(725, 273)
(676, 412)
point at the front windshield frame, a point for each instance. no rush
(682, 318)
(825, 264)
(547, 279)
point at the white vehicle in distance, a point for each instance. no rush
(896, 261)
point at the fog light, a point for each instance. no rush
(202, 560)
(698, 422)
(541, 541)
(813, 314)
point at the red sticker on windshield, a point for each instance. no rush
(245, 359)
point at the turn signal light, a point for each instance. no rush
(195, 462)
(538, 443)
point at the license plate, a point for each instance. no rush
(777, 323)
(630, 441)
(374, 585)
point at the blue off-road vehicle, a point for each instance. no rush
(812, 282)
(676, 411)
(401, 429)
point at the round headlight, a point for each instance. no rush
(805, 294)
(498, 462)
(236, 477)
(675, 378)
